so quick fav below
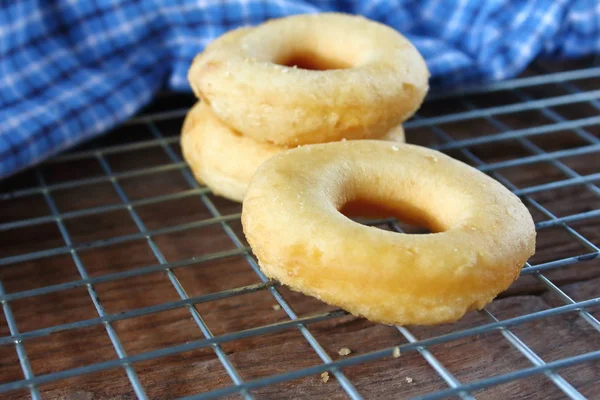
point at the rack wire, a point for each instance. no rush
(474, 124)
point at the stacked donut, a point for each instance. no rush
(311, 81)
(296, 81)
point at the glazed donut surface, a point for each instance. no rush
(483, 234)
(353, 79)
(226, 161)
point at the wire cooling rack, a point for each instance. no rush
(121, 277)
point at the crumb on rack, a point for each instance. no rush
(396, 352)
(325, 376)
(344, 351)
(409, 379)
(276, 307)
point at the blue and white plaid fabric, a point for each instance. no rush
(72, 69)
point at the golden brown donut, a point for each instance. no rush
(192, 117)
(224, 160)
(311, 79)
(291, 218)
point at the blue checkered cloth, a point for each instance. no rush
(71, 69)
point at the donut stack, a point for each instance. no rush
(312, 80)
(296, 81)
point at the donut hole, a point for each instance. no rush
(313, 60)
(410, 219)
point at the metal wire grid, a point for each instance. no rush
(455, 387)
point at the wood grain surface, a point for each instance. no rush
(469, 359)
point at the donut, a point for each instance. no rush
(311, 79)
(218, 157)
(197, 111)
(293, 218)
(191, 118)
(224, 160)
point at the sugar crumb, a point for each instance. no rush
(409, 379)
(396, 352)
(395, 148)
(325, 376)
(344, 351)
(276, 307)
